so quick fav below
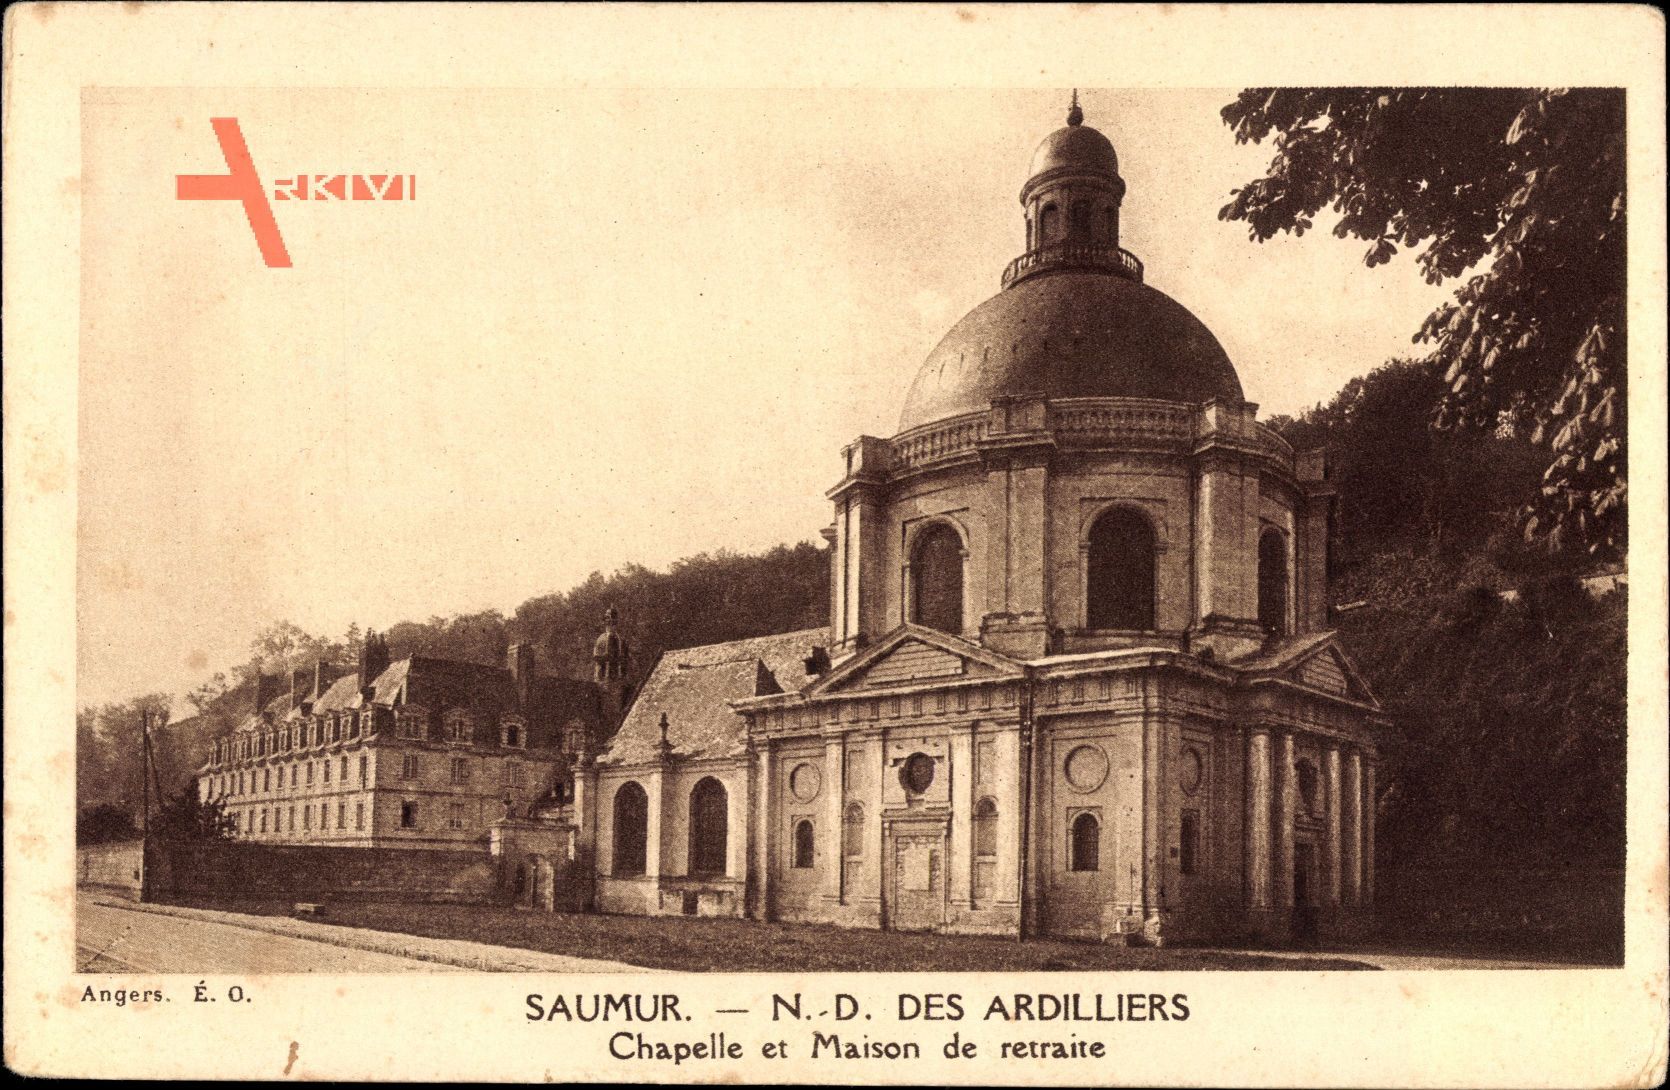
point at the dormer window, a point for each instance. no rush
(513, 733)
(413, 722)
(460, 727)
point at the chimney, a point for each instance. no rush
(266, 688)
(374, 659)
(319, 680)
(519, 660)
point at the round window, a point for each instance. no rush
(917, 773)
(1193, 770)
(1087, 768)
(804, 781)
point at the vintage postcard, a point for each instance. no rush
(836, 544)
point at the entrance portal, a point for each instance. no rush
(916, 877)
(1304, 885)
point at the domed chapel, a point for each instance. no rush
(1078, 678)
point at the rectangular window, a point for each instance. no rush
(341, 815)
(310, 773)
(263, 821)
(455, 817)
(408, 815)
(292, 819)
(307, 817)
(364, 764)
(327, 768)
(513, 773)
(344, 768)
(359, 815)
(460, 770)
(409, 766)
(267, 780)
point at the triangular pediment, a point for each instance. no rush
(1315, 662)
(1330, 670)
(911, 655)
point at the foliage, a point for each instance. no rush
(104, 823)
(187, 817)
(1526, 186)
(1511, 724)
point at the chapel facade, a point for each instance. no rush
(1078, 678)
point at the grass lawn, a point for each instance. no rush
(729, 945)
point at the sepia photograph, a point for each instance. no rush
(641, 527)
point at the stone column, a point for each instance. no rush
(1368, 833)
(1332, 848)
(1288, 796)
(959, 861)
(763, 787)
(834, 796)
(1258, 818)
(652, 827)
(1353, 855)
(1007, 778)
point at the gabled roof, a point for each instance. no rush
(693, 688)
(912, 653)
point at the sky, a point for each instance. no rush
(616, 326)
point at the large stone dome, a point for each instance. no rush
(1071, 334)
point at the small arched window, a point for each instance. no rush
(709, 820)
(936, 577)
(1272, 581)
(985, 828)
(1085, 843)
(1120, 591)
(803, 854)
(852, 832)
(1049, 224)
(631, 831)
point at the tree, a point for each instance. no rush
(104, 823)
(186, 816)
(1527, 187)
(207, 694)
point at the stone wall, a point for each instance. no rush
(234, 870)
(111, 868)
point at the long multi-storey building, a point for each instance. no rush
(421, 752)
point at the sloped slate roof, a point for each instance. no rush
(693, 687)
(1283, 651)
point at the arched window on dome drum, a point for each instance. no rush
(1272, 581)
(631, 829)
(936, 579)
(1085, 844)
(1110, 227)
(709, 820)
(1120, 594)
(1049, 224)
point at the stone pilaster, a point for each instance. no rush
(1258, 818)
(834, 801)
(959, 860)
(1332, 847)
(1368, 833)
(764, 785)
